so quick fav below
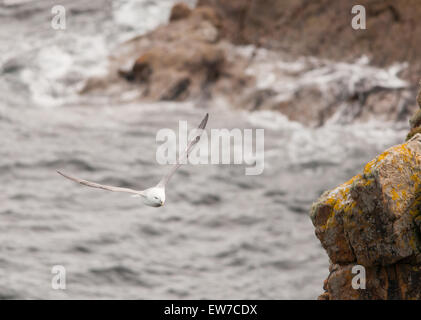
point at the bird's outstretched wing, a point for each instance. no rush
(186, 152)
(101, 186)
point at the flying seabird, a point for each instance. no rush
(155, 196)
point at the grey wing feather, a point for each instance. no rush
(185, 154)
(100, 186)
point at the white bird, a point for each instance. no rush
(155, 196)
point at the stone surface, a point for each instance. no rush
(323, 28)
(393, 282)
(180, 11)
(185, 59)
(374, 220)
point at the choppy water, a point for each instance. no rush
(220, 235)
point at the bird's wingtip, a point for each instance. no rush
(60, 173)
(202, 124)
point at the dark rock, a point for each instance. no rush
(180, 11)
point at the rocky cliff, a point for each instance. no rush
(323, 28)
(374, 221)
(267, 55)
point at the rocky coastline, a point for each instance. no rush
(219, 53)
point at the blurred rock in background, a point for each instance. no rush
(300, 58)
(323, 28)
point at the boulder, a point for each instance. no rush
(374, 220)
(177, 73)
(185, 59)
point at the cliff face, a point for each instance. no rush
(323, 28)
(374, 220)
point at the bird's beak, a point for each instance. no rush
(162, 203)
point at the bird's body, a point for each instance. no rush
(155, 196)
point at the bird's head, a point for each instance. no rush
(155, 197)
